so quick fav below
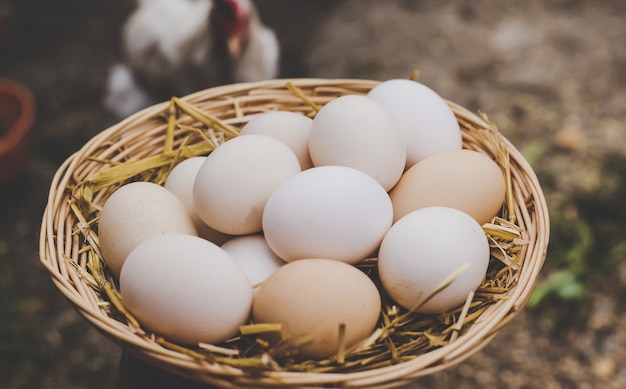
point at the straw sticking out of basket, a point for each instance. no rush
(404, 343)
(389, 344)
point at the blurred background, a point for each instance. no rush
(551, 74)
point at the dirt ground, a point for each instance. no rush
(551, 74)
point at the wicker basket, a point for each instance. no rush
(63, 253)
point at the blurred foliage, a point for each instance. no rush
(589, 243)
(35, 337)
(15, 329)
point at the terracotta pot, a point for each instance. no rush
(17, 113)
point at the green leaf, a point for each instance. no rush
(565, 284)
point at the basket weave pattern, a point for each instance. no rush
(63, 254)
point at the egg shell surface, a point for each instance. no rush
(186, 289)
(237, 178)
(463, 179)
(290, 127)
(180, 182)
(333, 212)
(425, 247)
(428, 123)
(134, 213)
(254, 256)
(312, 297)
(359, 132)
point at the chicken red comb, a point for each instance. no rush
(234, 19)
(231, 13)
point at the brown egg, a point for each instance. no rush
(313, 297)
(463, 179)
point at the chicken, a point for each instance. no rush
(176, 47)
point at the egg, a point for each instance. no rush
(312, 297)
(237, 178)
(428, 123)
(290, 127)
(358, 132)
(463, 179)
(186, 289)
(254, 256)
(180, 182)
(334, 212)
(425, 247)
(134, 213)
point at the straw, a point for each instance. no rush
(403, 346)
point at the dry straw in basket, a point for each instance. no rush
(404, 346)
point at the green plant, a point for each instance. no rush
(590, 242)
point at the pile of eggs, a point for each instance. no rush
(269, 226)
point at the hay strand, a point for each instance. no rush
(403, 344)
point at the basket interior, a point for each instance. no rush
(68, 240)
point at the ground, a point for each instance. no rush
(551, 75)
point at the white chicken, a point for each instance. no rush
(176, 47)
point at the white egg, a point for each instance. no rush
(186, 289)
(254, 255)
(180, 182)
(237, 178)
(134, 213)
(332, 212)
(359, 132)
(290, 127)
(428, 123)
(425, 247)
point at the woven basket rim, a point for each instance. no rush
(56, 244)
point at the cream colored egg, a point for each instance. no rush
(312, 297)
(427, 121)
(359, 132)
(290, 127)
(334, 212)
(463, 179)
(180, 182)
(186, 289)
(134, 213)
(423, 249)
(237, 178)
(254, 256)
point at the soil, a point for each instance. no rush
(551, 74)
